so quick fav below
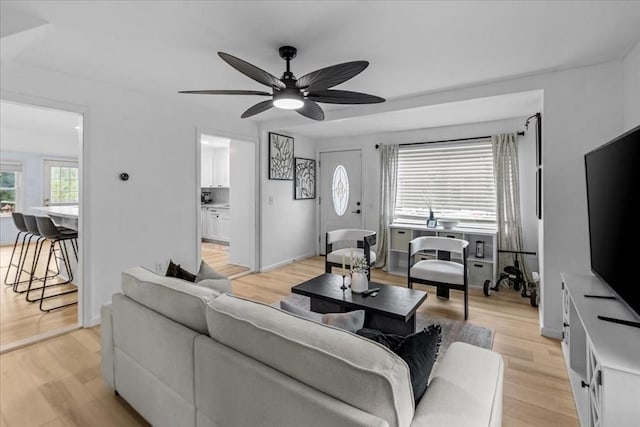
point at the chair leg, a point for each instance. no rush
(63, 251)
(15, 245)
(466, 304)
(32, 273)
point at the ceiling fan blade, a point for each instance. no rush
(252, 71)
(343, 97)
(226, 92)
(311, 110)
(331, 76)
(257, 109)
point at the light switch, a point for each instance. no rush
(271, 200)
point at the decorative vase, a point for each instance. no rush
(359, 282)
(431, 217)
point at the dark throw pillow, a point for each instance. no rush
(174, 270)
(418, 350)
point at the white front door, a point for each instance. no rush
(340, 192)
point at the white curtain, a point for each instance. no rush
(388, 186)
(508, 219)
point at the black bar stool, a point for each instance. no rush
(18, 221)
(32, 228)
(55, 235)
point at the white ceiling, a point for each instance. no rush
(39, 119)
(47, 131)
(160, 47)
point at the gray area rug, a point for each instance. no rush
(452, 330)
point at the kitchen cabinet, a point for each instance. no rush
(214, 168)
(215, 223)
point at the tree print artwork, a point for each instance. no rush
(280, 157)
(305, 180)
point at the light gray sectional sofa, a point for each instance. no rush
(186, 355)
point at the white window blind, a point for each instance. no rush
(456, 178)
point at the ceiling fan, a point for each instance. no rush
(301, 95)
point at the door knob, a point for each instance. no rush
(358, 211)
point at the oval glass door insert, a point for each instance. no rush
(340, 190)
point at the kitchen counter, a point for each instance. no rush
(66, 216)
(215, 205)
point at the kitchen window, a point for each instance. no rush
(62, 181)
(10, 178)
(455, 179)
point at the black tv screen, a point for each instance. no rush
(613, 188)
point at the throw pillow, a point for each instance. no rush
(418, 350)
(175, 270)
(221, 285)
(350, 321)
(208, 272)
(307, 314)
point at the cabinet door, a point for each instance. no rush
(214, 222)
(225, 225)
(206, 167)
(203, 221)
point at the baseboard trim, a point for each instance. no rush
(287, 262)
(556, 334)
(37, 338)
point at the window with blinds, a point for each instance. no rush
(455, 179)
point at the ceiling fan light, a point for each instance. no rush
(288, 103)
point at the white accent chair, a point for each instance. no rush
(357, 242)
(440, 271)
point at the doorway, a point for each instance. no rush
(40, 168)
(340, 192)
(227, 193)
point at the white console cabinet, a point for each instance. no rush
(480, 268)
(602, 358)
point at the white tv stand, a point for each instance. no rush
(602, 358)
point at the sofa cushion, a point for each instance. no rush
(465, 389)
(174, 298)
(350, 368)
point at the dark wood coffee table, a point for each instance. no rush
(392, 311)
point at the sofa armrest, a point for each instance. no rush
(465, 389)
(107, 346)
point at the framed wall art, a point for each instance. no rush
(305, 179)
(280, 157)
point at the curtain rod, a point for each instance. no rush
(521, 133)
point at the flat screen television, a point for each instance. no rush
(613, 188)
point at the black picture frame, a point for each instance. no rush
(432, 223)
(281, 163)
(304, 187)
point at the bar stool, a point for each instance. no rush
(18, 221)
(32, 228)
(55, 235)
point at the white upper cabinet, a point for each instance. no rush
(206, 167)
(215, 166)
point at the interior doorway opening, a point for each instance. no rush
(227, 192)
(41, 184)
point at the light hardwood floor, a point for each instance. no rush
(57, 382)
(20, 319)
(217, 256)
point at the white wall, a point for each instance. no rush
(288, 230)
(631, 90)
(154, 140)
(29, 141)
(242, 171)
(371, 164)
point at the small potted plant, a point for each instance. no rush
(359, 280)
